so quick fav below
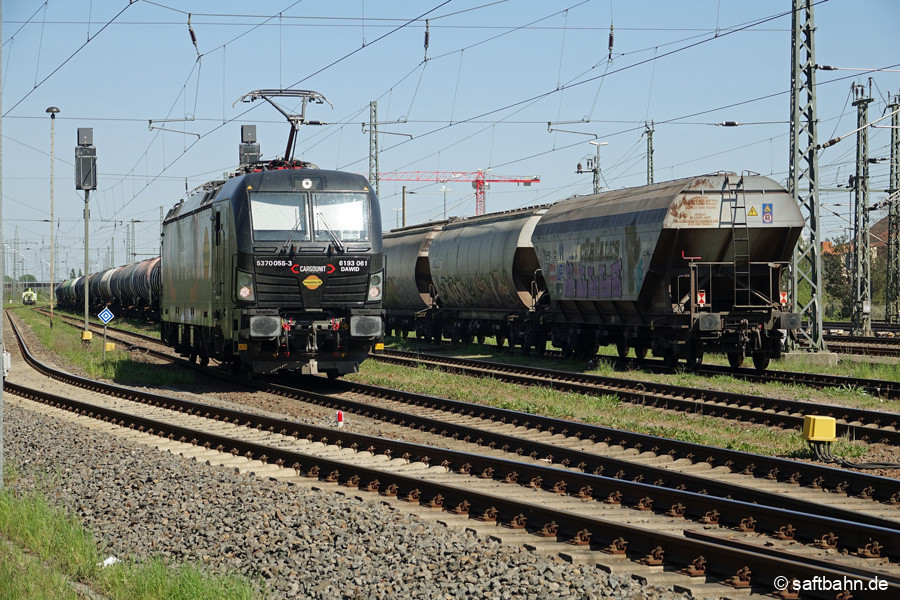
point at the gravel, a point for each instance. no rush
(290, 541)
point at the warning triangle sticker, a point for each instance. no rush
(752, 212)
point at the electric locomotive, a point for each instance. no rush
(278, 267)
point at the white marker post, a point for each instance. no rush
(106, 316)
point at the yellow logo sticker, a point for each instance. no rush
(312, 282)
(752, 212)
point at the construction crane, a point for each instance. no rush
(479, 179)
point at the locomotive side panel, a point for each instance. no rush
(187, 282)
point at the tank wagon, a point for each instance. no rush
(681, 268)
(275, 269)
(129, 291)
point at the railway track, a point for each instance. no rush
(867, 425)
(415, 411)
(868, 346)
(887, 389)
(546, 506)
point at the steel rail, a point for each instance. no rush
(877, 387)
(736, 567)
(724, 504)
(765, 411)
(815, 476)
(883, 388)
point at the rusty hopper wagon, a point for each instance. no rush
(681, 268)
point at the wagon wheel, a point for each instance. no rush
(622, 349)
(204, 360)
(694, 360)
(640, 352)
(501, 340)
(480, 339)
(760, 361)
(735, 359)
(670, 359)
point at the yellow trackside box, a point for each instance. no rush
(819, 429)
(110, 346)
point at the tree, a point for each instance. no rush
(837, 297)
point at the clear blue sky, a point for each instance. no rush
(497, 73)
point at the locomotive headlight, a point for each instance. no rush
(245, 286)
(375, 283)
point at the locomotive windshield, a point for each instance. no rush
(277, 215)
(343, 215)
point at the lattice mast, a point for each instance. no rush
(861, 318)
(803, 182)
(892, 308)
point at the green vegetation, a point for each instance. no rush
(607, 410)
(65, 340)
(42, 549)
(120, 322)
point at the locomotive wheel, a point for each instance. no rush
(622, 349)
(760, 361)
(193, 357)
(735, 359)
(204, 361)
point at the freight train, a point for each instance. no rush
(680, 269)
(130, 290)
(277, 267)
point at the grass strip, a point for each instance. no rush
(47, 548)
(606, 410)
(119, 367)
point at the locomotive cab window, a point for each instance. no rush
(277, 216)
(341, 215)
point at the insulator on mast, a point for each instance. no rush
(427, 26)
(610, 40)
(193, 35)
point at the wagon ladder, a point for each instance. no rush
(740, 236)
